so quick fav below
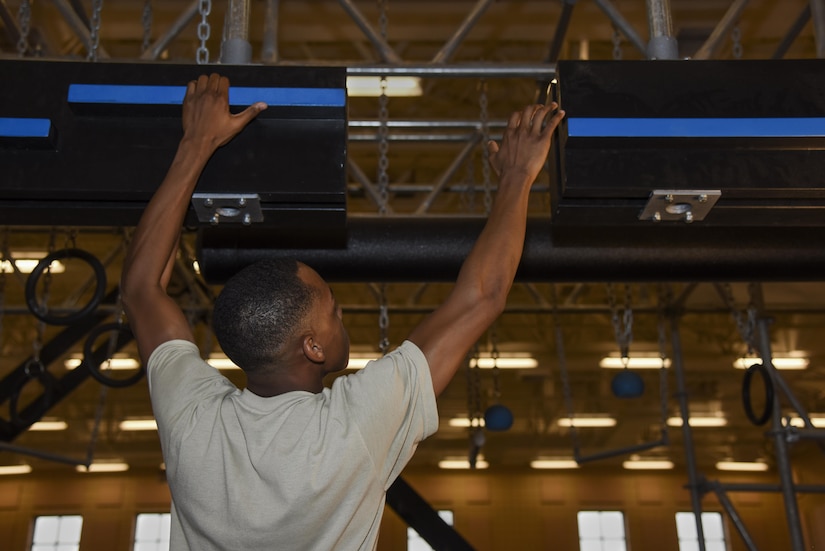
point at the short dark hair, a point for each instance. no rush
(257, 311)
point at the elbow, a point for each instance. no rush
(491, 299)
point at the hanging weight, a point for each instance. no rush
(41, 312)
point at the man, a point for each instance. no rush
(286, 463)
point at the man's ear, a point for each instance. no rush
(313, 350)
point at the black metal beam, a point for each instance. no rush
(416, 512)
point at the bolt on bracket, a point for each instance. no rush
(234, 208)
(686, 205)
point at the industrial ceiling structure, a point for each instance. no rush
(415, 165)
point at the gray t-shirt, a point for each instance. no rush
(298, 471)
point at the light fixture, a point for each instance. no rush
(817, 420)
(461, 463)
(505, 361)
(699, 421)
(370, 86)
(743, 466)
(138, 424)
(779, 362)
(554, 463)
(15, 469)
(26, 261)
(220, 361)
(637, 463)
(104, 467)
(50, 425)
(120, 362)
(587, 421)
(640, 361)
(465, 422)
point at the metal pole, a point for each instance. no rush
(236, 49)
(793, 32)
(470, 70)
(78, 27)
(818, 16)
(385, 51)
(783, 463)
(722, 29)
(366, 184)
(269, 53)
(445, 177)
(450, 46)
(186, 16)
(687, 434)
(622, 24)
(734, 517)
(662, 45)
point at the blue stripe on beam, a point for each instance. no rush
(126, 94)
(24, 127)
(696, 128)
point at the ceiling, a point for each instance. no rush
(540, 315)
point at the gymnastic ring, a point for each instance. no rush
(45, 262)
(43, 377)
(94, 368)
(746, 394)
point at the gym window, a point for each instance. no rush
(712, 527)
(152, 532)
(602, 531)
(57, 533)
(416, 543)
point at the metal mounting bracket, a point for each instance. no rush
(215, 208)
(687, 205)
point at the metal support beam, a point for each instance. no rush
(416, 512)
(269, 52)
(662, 45)
(236, 49)
(385, 51)
(694, 479)
(622, 24)
(722, 29)
(454, 41)
(469, 70)
(366, 184)
(447, 175)
(783, 463)
(556, 46)
(818, 16)
(76, 24)
(163, 41)
(793, 32)
(734, 517)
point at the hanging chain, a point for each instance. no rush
(745, 323)
(665, 298)
(24, 14)
(736, 37)
(3, 261)
(468, 198)
(565, 376)
(622, 325)
(147, 25)
(485, 153)
(617, 44)
(383, 322)
(494, 356)
(94, 35)
(473, 389)
(202, 55)
(383, 124)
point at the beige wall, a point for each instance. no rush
(522, 510)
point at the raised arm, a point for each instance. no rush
(154, 317)
(480, 292)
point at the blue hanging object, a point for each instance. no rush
(498, 418)
(627, 384)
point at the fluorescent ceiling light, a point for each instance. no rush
(633, 362)
(104, 467)
(582, 421)
(138, 424)
(220, 361)
(464, 422)
(551, 463)
(49, 425)
(461, 463)
(15, 469)
(817, 420)
(370, 87)
(747, 466)
(648, 464)
(26, 261)
(699, 421)
(118, 363)
(505, 361)
(779, 362)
